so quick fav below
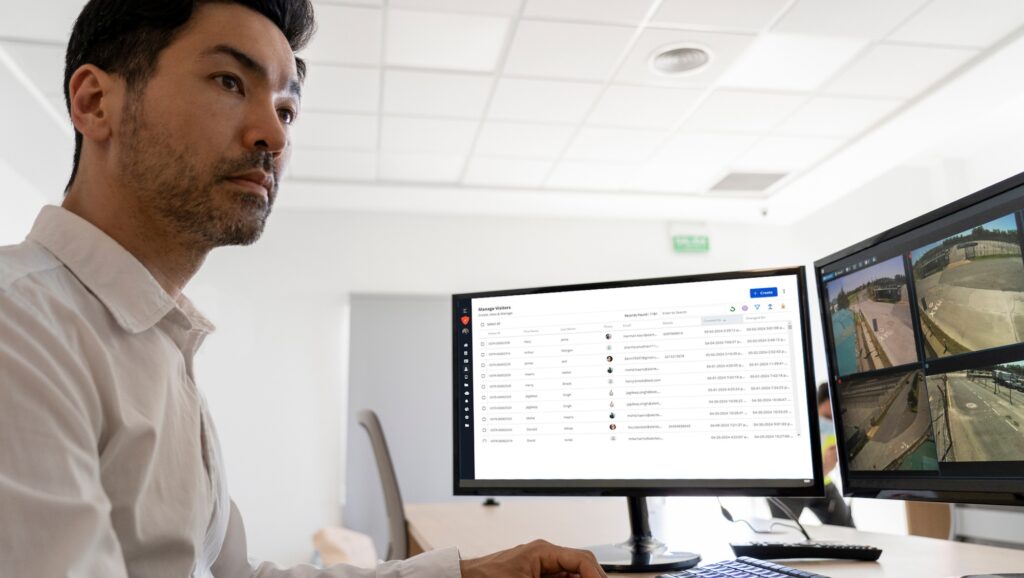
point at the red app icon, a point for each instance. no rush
(464, 319)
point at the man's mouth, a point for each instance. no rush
(256, 182)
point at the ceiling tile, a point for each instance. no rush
(897, 70)
(724, 49)
(414, 167)
(746, 15)
(614, 144)
(332, 88)
(612, 11)
(492, 7)
(643, 106)
(345, 35)
(682, 177)
(436, 94)
(43, 64)
(837, 117)
(444, 40)
(699, 149)
(566, 51)
(791, 62)
(542, 100)
(538, 141)
(333, 164)
(861, 19)
(978, 23)
(404, 134)
(734, 111)
(785, 154)
(332, 130)
(517, 173)
(593, 176)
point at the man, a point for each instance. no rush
(832, 509)
(109, 463)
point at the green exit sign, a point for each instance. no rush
(690, 243)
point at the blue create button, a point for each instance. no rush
(764, 292)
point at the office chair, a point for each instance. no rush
(398, 548)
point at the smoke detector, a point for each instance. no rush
(680, 59)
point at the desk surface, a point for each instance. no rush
(477, 530)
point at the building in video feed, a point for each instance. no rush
(871, 322)
(970, 289)
(978, 414)
(886, 422)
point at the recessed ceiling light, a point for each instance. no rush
(680, 60)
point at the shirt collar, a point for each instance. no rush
(123, 284)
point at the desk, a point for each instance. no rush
(477, 530)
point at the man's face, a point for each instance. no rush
(204, 143)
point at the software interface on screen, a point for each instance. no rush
(672, 381)
(925, 333)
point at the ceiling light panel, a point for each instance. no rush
(859, 19)
(836, 116)
(436, 94)
(513, 173)
(593, 176)
(333, 88)
(704, 149)
(785, 154)
(611, 11)
(490, 7)
(331, 130)
(614, 144)
(678, 177)
(407, 134)
(735, 111)
(643, 106)
(442, 40)
(791, 62)
(542, 100)
(724, 49)
(739, 15)
(897, 71)
(565, 50)
(346, 35)
(538, 141)
(977, 23)
(420, 167)
(333, 164)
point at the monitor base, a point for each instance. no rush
(1012, 575)
(641, 553)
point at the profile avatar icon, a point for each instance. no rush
(609, 370)
(607, 335)
(612, 427)
(611, 404)
(609, 359)
(611, 392)
(611, 415)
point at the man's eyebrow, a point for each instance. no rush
(252, 65)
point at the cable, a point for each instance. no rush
(728, 516)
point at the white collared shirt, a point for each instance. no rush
(109, 461)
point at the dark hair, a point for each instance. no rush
(822, 393)
(125, 37)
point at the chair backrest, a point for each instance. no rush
(398, 548)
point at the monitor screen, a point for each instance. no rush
(924, 327)
(688, 385)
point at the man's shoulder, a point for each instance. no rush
(24, 263)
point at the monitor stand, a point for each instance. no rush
(641, 553)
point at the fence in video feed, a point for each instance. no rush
(970, 289)
(886, 423)
(978, 414)
(871, 322)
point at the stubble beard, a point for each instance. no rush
(197, 204)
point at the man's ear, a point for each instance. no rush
(95, 101)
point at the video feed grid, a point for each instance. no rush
(970, 289)
(870, 317)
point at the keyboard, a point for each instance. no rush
(743, 567)
(779, 550)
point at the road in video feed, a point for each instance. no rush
(871, 322)
(886, 423)
(970, 289)
(979, 413)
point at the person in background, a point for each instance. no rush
(832, 509)
(110, 464)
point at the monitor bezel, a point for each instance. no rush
(635, 487)
(915, 488)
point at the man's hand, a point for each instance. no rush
(535, 560)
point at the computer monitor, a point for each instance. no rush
(924, 330)
(699, 385)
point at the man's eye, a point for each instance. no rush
(287, 115)
(230, 83)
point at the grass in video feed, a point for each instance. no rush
(886, 423)
(970, 289)
(871, 322)
(978, 414)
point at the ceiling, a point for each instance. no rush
(534, 107)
